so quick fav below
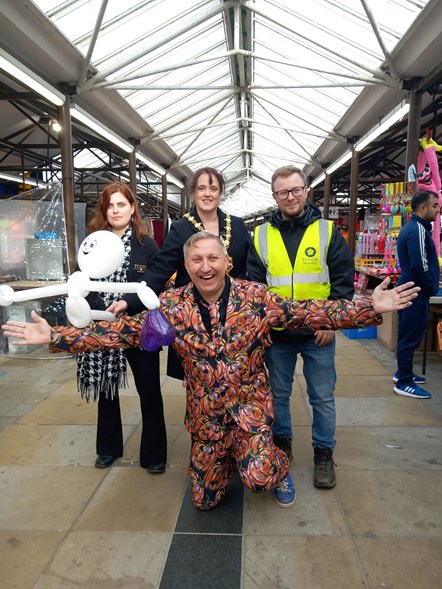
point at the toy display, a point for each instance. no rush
(375, 252)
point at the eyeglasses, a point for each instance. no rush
(296, 191)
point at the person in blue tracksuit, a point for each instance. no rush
(419, 262)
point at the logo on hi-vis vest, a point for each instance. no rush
(310, 252)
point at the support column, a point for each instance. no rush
(413, 130)
(327, 191)
(354, 185)
(68, 183)
(183, 201)
(165, 207)
(133, 172)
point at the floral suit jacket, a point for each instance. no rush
(224, 371)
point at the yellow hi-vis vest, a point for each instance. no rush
(309, 277)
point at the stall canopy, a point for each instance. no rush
(243, 86)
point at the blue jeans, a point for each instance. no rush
(320, 375)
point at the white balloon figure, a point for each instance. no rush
(99, 255)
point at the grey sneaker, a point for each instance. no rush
(285, 444)
(325, 477)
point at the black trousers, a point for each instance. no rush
(153, 447)
(174, 366)
(412, 324)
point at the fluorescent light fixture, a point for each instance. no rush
(102, 130)
(385, 123)
(339, 162)
(318, 180)
(27, 77)
(173, 180)
(20, 180)
(157, 168)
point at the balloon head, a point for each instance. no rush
(100, 254)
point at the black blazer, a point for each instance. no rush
(170, 257)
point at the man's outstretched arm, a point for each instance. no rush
(123, 333)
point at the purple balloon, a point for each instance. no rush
(157, 331)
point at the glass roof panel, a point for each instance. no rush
(297, 68)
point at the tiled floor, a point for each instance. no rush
(65, 524)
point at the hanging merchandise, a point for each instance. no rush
(375, 251)
(428, 177)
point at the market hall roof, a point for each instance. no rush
(243, 86)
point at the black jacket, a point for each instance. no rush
(339, 261)
(170, 257)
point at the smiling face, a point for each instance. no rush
(100, 254)
(206, 264)
(119, 213)
(291, 206)
(207, 193)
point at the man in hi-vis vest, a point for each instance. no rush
(302, 256)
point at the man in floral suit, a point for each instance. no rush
(222, 325)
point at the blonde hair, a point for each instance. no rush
(285, 172)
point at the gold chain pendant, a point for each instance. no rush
(226, 240)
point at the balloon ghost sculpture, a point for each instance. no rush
(99, 255)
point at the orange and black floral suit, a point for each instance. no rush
(229, 409)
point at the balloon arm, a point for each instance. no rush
(145, 293)
(118, 287)
(102, 316)
(33, 293)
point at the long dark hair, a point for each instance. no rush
(99, 221)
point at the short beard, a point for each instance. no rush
(293, 216)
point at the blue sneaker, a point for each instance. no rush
(285, 493)
(411, 390)
(416, 378)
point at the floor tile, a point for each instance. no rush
(369, 386)
(349, 365)
(24, 556)
(174, 409)
(203, 561)
(67, 410)
(315, 512)
(227, 518)
(397, 563)
(379, 503)
(395, 411)
(117, 560)
(44, 498)
(410, 448)
(67, 389)
(132, 500)
(56, 445)
(280, 562)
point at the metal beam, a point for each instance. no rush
(191, 24)
(354, 184)
(67, 166)
(414, 119)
